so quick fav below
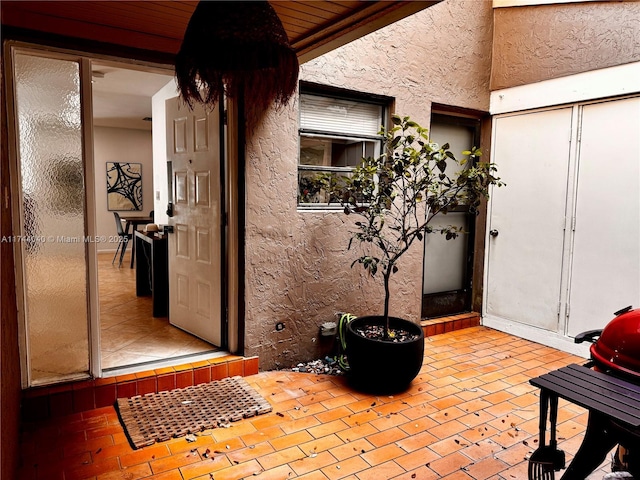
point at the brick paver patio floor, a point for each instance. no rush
(470, 414)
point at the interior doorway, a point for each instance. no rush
(129, 334)
(76, 319)
(122, 131)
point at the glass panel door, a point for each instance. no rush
(446, 288)
(50, 233)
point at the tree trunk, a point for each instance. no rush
(386, 277)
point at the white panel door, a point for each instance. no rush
(605, 273)
(195, 246)
(527, 218)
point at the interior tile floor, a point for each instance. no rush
(129, 334)
(470, 414)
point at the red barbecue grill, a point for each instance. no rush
(615, 350)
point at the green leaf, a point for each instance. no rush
(387, 192)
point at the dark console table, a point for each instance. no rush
(152, 270)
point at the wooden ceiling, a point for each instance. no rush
(314, 26)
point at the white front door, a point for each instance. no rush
(195, 246)
(527, 219)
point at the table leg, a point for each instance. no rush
(599, 439)
(544, 406)
(133, 247)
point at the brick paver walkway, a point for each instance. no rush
(470, 414)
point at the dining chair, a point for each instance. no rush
(123, 239)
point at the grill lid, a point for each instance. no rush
(618, 347)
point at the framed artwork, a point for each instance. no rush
(124, 186)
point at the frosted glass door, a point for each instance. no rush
(50, 235)
(446, 287)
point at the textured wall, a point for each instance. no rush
(297, 266)
(543, 42)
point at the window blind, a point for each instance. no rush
(339, 116)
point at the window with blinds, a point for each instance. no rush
(335, 134)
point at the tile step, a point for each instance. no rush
(40, 403)
(437, 326)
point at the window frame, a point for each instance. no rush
(308, 88)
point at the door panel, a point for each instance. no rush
(525, 256)
(195, 247)
(447, 270)
(445, 264)
(606, 249)
(51, 248)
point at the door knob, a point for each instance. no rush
(493, 233)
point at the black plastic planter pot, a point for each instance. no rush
(383, 366)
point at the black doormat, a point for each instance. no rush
(157, 417)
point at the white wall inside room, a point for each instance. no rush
(120, 145)
(161, 192)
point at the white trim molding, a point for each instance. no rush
(606, 82)
(539, 335)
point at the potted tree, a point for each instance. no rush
(395, 197)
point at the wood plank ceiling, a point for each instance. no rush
(314, 27)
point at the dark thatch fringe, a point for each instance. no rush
(233, 47)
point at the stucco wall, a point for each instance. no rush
(297, 266)
(550, 41)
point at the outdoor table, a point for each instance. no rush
(614, 413)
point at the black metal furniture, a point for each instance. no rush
(152, 270)
(133, 222)
(123, 238)
(614, 413)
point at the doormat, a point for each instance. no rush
(156, 417)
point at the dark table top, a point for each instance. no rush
(138, 219)
(615, 397)
(149, 236)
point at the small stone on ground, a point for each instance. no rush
(327, 366)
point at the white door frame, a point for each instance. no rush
(89, 214)
(232, 200)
